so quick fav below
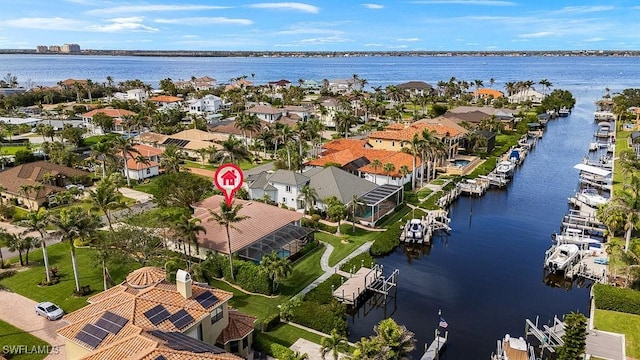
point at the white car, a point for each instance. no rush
(49, 310)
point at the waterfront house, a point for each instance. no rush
(148, 317)
(17, 183)
(327, 109)
(526, 95)
(415, 88)
(266, 229)
(137, 95)
(70, 84)
(488, 93)
(207, 105)
(344, 86)
(118, 116)
(204, 83)
(473, 115)
(277, 86)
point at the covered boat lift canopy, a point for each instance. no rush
(592, 170)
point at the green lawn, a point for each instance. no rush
(26, 282)
(150, 187)
(340, 249)
(305, 270)
(286, 335)
(11, 335)
(245, 165)
(92, 140)
(12, 150)
(618, 322)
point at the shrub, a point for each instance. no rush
(84, 291)
(386, 241)
(8, 273)
(616, 299)
(253, 278)
(270, 322)
(265, 345)
(322, 317)
(323, 293)
(364, 259)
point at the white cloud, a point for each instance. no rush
(468, 2)
(325, 40)
(204, 21)
(56, 23)
(595, 39)
(287, 6)
(583, 9)
(297, 29)
(373, 45)
(373, 6)
(152, 8)
(408, 39)
(539, 34)
(133, 23)
(190, 36)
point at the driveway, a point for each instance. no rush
(19, 311)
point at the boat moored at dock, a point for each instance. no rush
(561, 257)
(513, 349)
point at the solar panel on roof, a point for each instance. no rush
(206, 299)
(181, 319)
(180, 341)
(111, 322)
(91, 335)
(177, 142)
(157, 314)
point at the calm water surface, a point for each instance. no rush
(487, 275)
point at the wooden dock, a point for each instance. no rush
(474, 187)
(433, 351)
(364, 280)
(583, 221)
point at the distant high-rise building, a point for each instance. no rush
(54, 48)
(70, 48)
(42, 49)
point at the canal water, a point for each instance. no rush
(487, 275)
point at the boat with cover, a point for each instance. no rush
(505, 168)
(513, 349)
(414, 231)
(561, 257)
(591, 197)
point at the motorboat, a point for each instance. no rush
(517, 155)
(414, 231)
(564, 112)
(505, 168)
(561, 257)
(591, 197)
(593, 146)
(513, 349)
(576, 237)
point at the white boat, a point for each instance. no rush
(561, 257)
(576, 237)
(593, 146)
(564, 112)
(513, 349)
(591, 197)
(505, 168)
(414, 231)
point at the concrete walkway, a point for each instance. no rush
(19, 311)
(330, 270)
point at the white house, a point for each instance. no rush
(118, 115)
(342, 86)
(209, 104)
(140, 171)
(526, 95)
(266, 113)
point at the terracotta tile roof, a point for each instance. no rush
(486, 92)
(111, 112)
(240, 325)
(151, 137)
(263, 220)
(406, 133)
(146, 276)
(195, 134)
(133, 164)
(165, 99)
(343, 144)
(70, 82)
(349, 155)
(264, 109)
(148, 151)
(342, 157)
(128, 348)
(395, 126)
(398, 159)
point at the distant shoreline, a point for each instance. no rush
(284, 54)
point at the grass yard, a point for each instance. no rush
(286, 335)
(11, 335)
(26, 282)
(618, 322)
(245, 165)
(150, 187)
(305, 270)
(12, 150)
(92, 140)
(340, 249)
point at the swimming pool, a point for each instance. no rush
(461, 162)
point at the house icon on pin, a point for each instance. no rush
(229, 178)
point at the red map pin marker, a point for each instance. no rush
(228, 178)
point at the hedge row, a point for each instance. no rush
(250, 276)
(320, 311)
(616, 299)
(386, 241)
(271, 348)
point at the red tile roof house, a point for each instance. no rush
(268, 228)
(165, 102)
(148, 317)
(118, 116)
(138, 170)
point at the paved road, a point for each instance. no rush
(15, 229)
(19, 311)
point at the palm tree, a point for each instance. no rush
(74, 222)
(414, 150)
(171, 158)
(375, 164)
(14, 243)
(38, 221)
(334, 344)
(278, 268)
(203, 153)
(4, 239)
(189, 229)
(227, 217)
(477, 83)
(233, 150)
(627, 201)
(388, 168)
(366, 349)
(308, 195)
(106, 198)
(353, 208)
(404, 171)
(127, 148)
(397, 340)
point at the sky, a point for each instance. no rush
(327, 25)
